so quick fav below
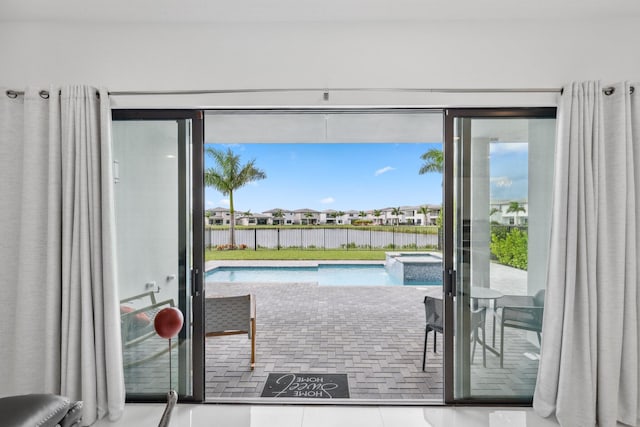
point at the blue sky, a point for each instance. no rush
(358, 176)
(509, 171)
(332, 176)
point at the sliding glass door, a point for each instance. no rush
(497, 195)
(158, 174)
(499, 167)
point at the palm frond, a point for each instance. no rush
(433, 161)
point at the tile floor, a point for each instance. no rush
(185, 415)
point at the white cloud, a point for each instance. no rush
(209, 203)
(383, 170)
(224, 202)
(501, 181)
(327, 200)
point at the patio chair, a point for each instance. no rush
(232, 315)
(136, 324)
(520, 312)
(434, 314)
(433, 311)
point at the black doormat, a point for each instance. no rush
(315, 386)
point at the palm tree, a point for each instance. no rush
(339, 214)
(229, 175)
(515, 207)
(278, 214)
(433, 161)
(308, 215)
(424, 211)
(377, 213)
(396, 212)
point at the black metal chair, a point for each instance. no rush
(520, 312)
(434, 312)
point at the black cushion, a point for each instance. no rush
(43, 410)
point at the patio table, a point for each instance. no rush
(479, 293)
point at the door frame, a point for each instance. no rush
(196, 272)
(449, 277)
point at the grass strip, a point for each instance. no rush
(295, 254)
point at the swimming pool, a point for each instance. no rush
(323, 274)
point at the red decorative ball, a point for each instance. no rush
(168, 322)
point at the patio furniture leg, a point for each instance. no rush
(253, 343)
(493, 335)
(484, 348)
(501, 344)
(473, 349)
(424, 354)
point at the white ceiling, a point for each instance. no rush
(214, 11)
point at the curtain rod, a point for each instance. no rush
(45, 93)
(341, 89)
(326, 91)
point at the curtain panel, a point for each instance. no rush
(589, 371)
(60, 325)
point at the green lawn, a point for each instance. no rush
(295, 254)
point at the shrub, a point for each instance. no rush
(350, 245)
(511, 249)
(229, 247)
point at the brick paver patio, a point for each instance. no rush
(374, 334)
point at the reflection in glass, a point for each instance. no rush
(502, 203)
(151, 227)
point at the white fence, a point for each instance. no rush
(322, 238)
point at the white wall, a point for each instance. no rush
(456, 54)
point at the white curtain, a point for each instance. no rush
(589, 371)
(59, 321)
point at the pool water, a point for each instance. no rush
(323, 274)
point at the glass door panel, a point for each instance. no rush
(153, 204)
(501, 196)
